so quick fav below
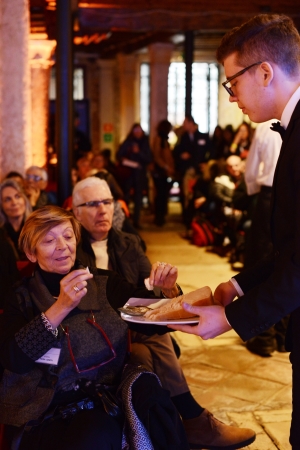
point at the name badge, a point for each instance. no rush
(50, 357)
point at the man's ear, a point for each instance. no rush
(266, 72)
(31, 257)
(76, 213)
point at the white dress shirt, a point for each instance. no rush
(262, 157)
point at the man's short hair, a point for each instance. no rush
(266, 37)
(87, 182)
(43, 172)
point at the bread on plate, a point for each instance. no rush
(173, 309)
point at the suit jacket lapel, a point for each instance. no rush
(284, 147)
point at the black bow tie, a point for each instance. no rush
(279, 128)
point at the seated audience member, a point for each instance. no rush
(36, 180)
(14, 210)
(75, 398)
(104, 247)
(99, 170)
(109, 165)
(217, 143)
(9, 273)
(222, 192)
(84, 168)
(200, 202)
(17, 177)
(241, 141)
(228, 135)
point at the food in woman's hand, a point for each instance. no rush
(173, 308)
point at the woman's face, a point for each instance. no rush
(57, 249)
(98, 162)
(13, 204)
(137, 132)
(244, 132)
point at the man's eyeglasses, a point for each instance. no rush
(228, 88)
(96, 203)
(33, 177)
(92, 322)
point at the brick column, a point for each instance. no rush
(160, 56)
(40, 53)
(15, 112)
(107, 104)
(128, 76)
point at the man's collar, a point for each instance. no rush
(289, 108)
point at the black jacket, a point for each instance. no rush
(272, 288)
(125, 252)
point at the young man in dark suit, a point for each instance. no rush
(261, 59)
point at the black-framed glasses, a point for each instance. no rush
(228, 88)
(97, 203)
(92, 322)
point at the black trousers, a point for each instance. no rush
(258, 242)
(88, 429)
(293, 343)
(94, 429)
(162, 186)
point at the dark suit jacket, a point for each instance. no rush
(272, 289)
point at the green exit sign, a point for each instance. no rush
(108, 137)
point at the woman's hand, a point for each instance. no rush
(164, 276)
(72, 289)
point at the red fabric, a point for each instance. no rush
(25, 268)
(203, 233)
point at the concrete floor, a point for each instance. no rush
(237, 386)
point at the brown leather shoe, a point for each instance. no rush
(207, 432)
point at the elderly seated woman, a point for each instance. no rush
(63, 349)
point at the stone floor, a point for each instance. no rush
(238, 387)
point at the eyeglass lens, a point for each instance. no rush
(33, 177)
(96, 203)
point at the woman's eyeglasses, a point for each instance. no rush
(94, 324)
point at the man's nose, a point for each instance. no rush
(232, 98)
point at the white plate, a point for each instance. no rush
(144, 320)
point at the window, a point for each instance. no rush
(78, 84)
(145, 97)
(204, 95)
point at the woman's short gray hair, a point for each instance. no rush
(9, 182)
(40, 222)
